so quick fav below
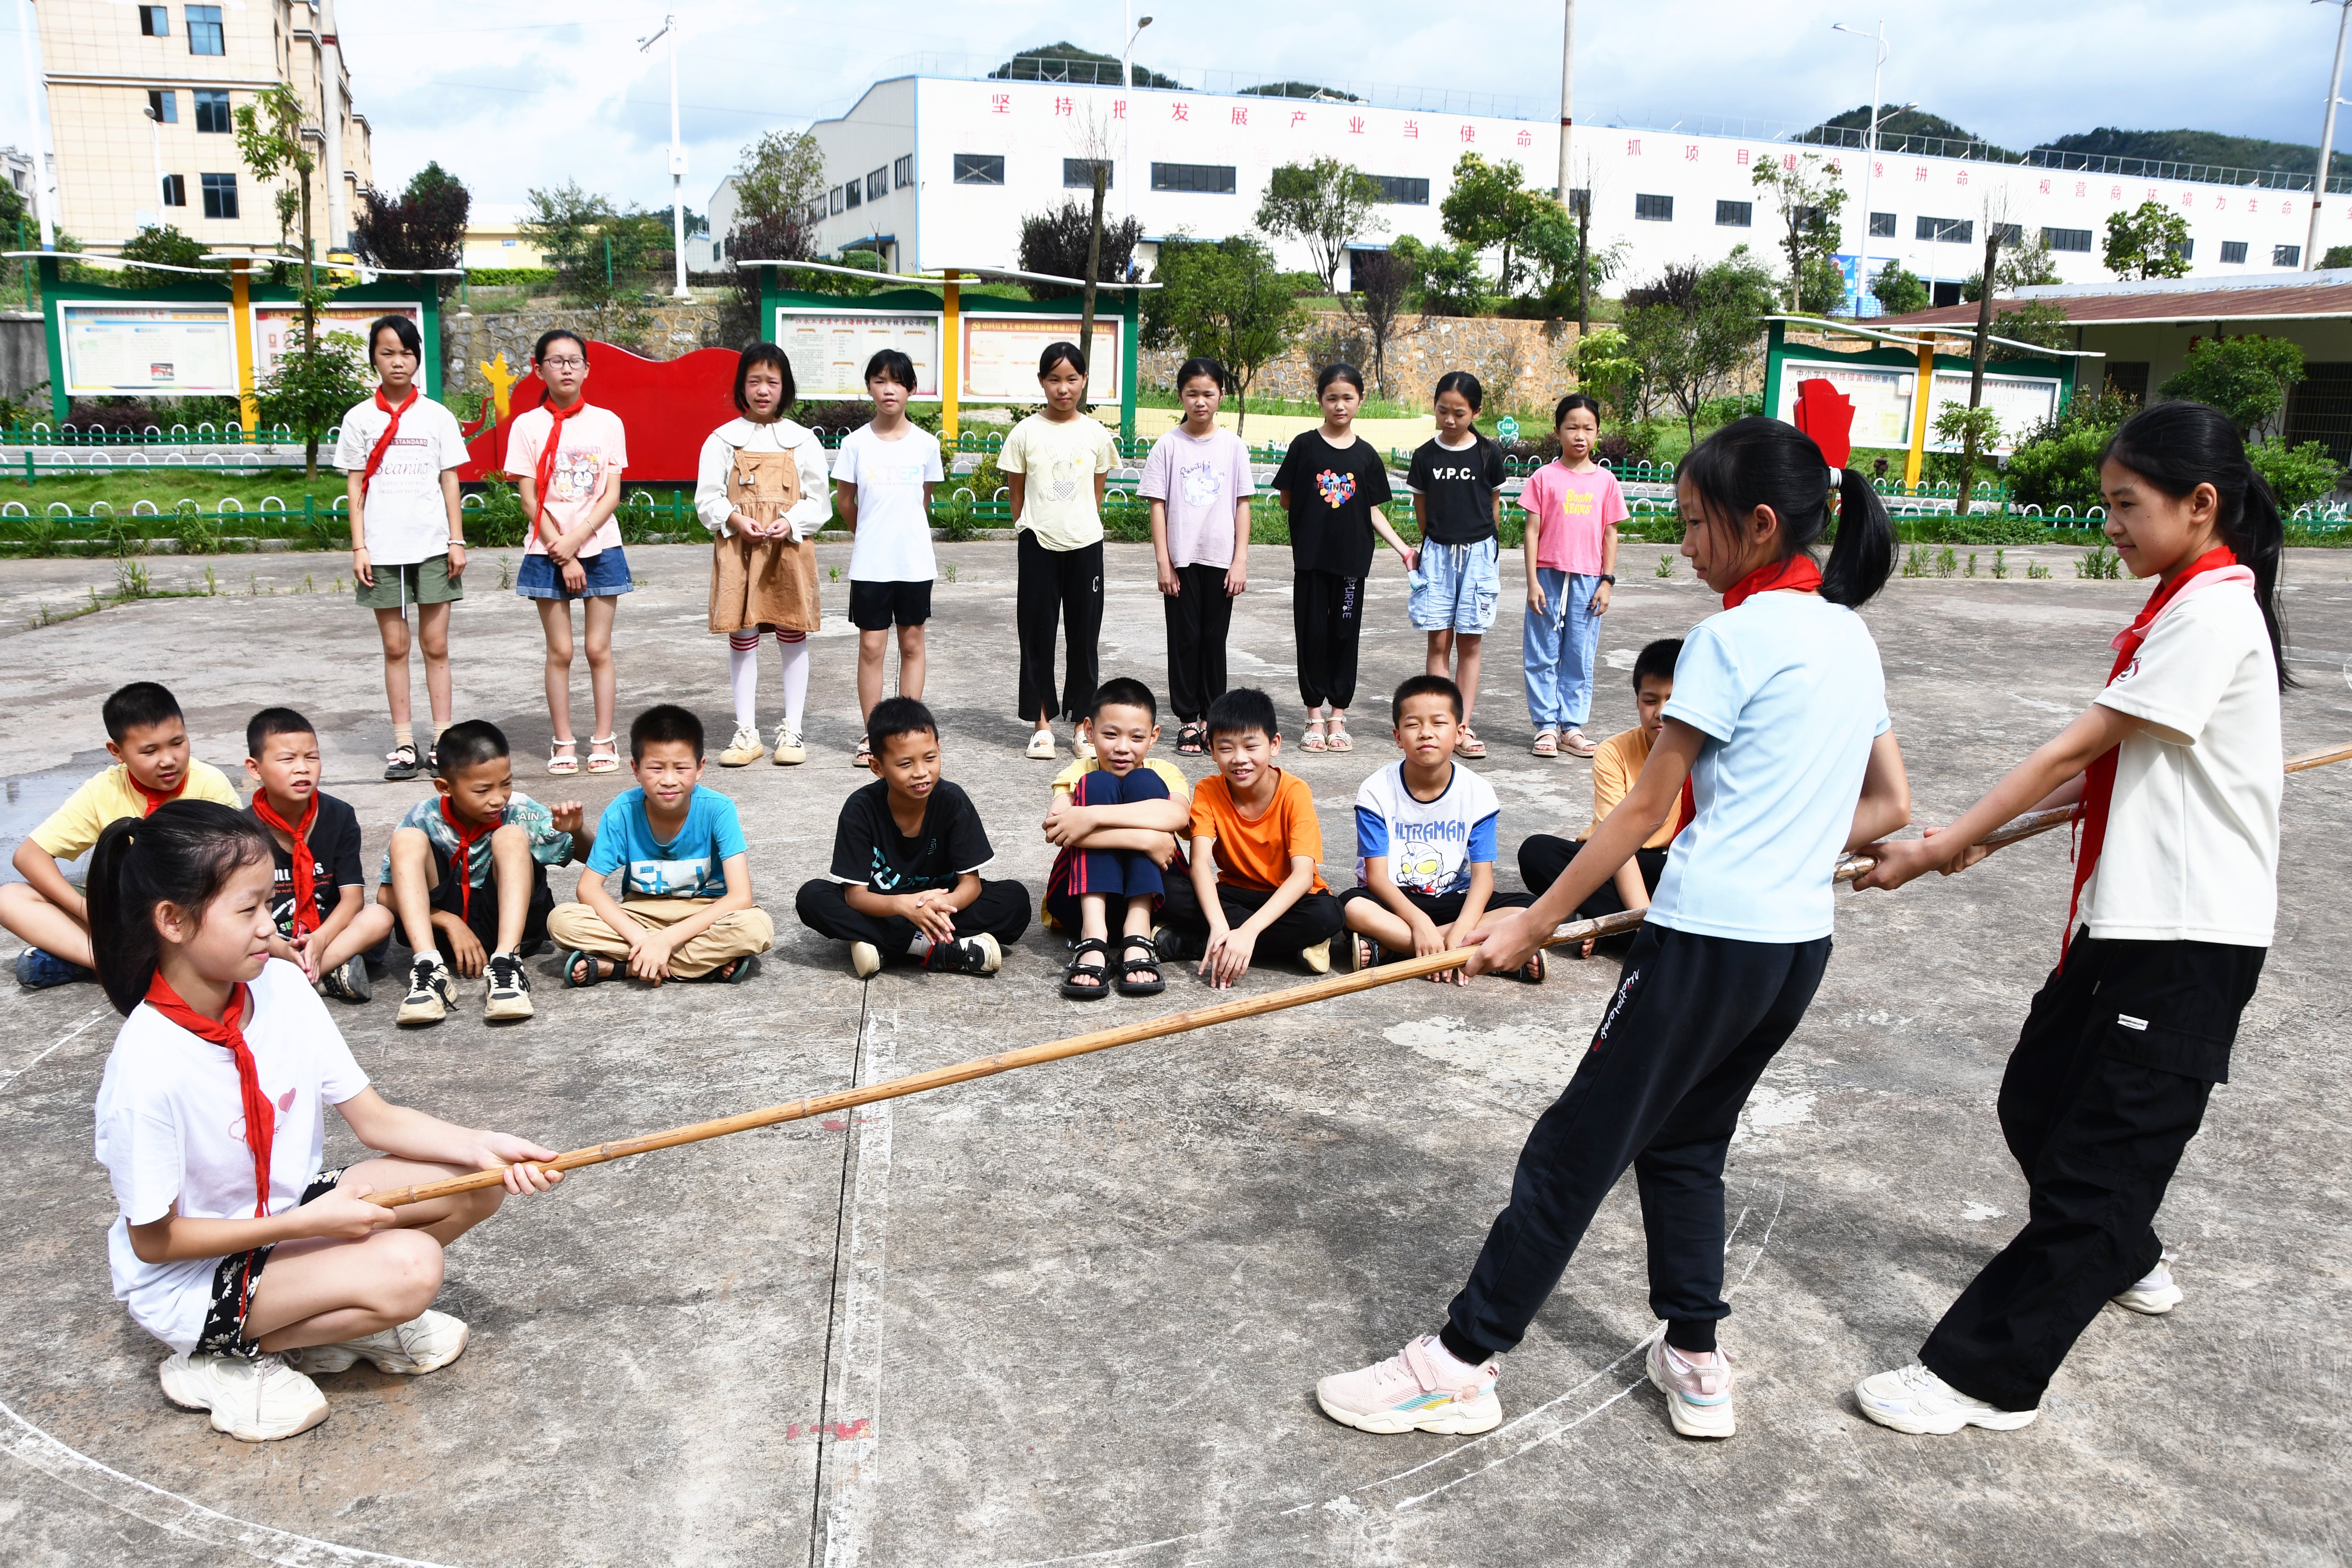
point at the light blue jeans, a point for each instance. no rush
(1557, 650)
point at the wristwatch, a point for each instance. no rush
(1610, 578)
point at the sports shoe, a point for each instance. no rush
(744, 748)
(865, 960)
(1698, 1398)
(2154, 1295)
(348, 981)
(1408, 1393)
(966, 955)
(1041, 746)
(429, 996)
(1082, 747)
(790, 751)
(1318, 959)
(37, 970)
(509, 992)
(400, 764)
(1913, 1399)
(427, 1343)
(254, 1400)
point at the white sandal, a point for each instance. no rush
(605, 754)
(1041, 746)
(562, 767)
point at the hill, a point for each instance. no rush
(1907, 131)
(2200, 147)
(1066, 62)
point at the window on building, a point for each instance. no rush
(2281, 255)
(816, 213)
(2012, 233)
(1735, 214)
(1579, 201)
(2320, 409)
(878, 185)
(834, 197)
(165, 103)
(1882, 226)
(212, 112)
(902, 172)
(1948, 230)
(2067, 238)
(1655, 209)
(204, 34)
(154, 21)
(1402, 190)
(2185, 249)
(1201, 179)
(1078, 174)
(176, 190)
(220, 194)
(1943, 294)
(2233, 253)
(979, 168)
(853, 193)
(2128, 377)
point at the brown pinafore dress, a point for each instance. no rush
(769, 583)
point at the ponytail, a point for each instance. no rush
(2176, 446)
(183, 854)
(1758, 461)
(1861, 557)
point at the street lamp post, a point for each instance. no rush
(44, 195)
(1126, 125)
(1567, 95)
(156, 145)
(1869, 157)
(677, 155)
(2326, 136)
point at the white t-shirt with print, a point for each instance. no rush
(594, 445)
(893, 528)
(403, 516)
(1430, 844)
(1060, 458)
(170, 1128)
(2192, 847)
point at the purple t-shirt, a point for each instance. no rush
(1201, 479)
(1572, 511)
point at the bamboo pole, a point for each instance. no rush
(1227, 1012)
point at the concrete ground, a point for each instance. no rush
(1075, 1314)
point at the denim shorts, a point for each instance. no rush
(1455, 587)
(608, 574)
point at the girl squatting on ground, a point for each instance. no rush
(1778, 721)
(1056, 462)
(1574, 507)
(2174, 771)
(259, 1269)
(1456, 480)
(760, 491)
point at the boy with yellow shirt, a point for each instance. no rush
(148, 740)
(1116, 819)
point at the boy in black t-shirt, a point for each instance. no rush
(907, 859)
(320, 900)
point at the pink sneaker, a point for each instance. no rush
(1698, 1398)
(1408, 1393)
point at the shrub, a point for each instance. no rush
(2057, 462)
(2297, 475)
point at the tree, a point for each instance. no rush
(271, 139)
(594, 246)
(1066, 62)
(1563, 260)
(1976, 429)
(1322, 204)
(1054, 242)
(2036, 321)
(1696, 329)
(2297, 475)
(1384, 282)
(779, 181)
(1899, 292)
(2247, 378)
(1807, 189)
(2146, 242)
(1822, 292)
(1490, 208)
(1451, 283)
(2056, 463)
(309, 391)
(1605, 366)
(422, 228)
(2338, 256)
(166, 245)
(1225, 299)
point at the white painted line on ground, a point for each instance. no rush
(96, 1014)
(853, 1439)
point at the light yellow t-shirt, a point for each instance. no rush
(1060, 461)
(109, 794)
(1170, 775)
(1615, 766)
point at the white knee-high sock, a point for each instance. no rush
(744, 674)
(794, 647)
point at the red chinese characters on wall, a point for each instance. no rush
(1179, 110)
(1633, 147)
(999, 103)
(1119, 109)
(1062, 108)
(1469, 132)
(1355, 125)
(1526, 138)
(1241, 116)
(1690, 151)
(1297, 117)
(1412, 130)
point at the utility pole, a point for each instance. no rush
(330, 124)
(156, 145)
(42, 192)
(677, 155)
(2326, 136)
(1567, 95)
(1869, 157)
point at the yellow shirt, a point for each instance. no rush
(74, 826)
(1170, 775)
(1615, 766)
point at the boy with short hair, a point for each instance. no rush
(1425, 832)
(906, 862)
(685, 910)
(325, 923)
(1115, 819)
(882, 480)
(1256, 843)
(148, 740)
(466, 874)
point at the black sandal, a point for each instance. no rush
(1151, 987)
(1078, 966)
(599, 969)
(734, 972)
(1192, 740)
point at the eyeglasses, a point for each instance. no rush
(568, 362)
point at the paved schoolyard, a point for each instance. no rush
(1076, 1313)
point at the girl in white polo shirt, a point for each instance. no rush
(2174, 772)
(1779, 722)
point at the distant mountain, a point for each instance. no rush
(1299, 90)
(1066, 62)
(1907, 131)
(2200, 147)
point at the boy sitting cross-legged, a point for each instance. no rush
(685, 910)
(1425, 842)
(1116, 819)
(325, 923)
(466, 874)
(149, 742)
(907, 859)
(1256, 843)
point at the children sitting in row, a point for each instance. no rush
(319, 901)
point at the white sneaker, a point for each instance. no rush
(1409, 1392)
(1698, 1398)
(2157, 1294)
(1081, 747)
(865, 960)
(790, 752)
(744, 749)
(1913, 1399)
(256, 1401)
(508, 995)
(427, 1343)
(1041, 746)
(1318, 959)
(430, 992)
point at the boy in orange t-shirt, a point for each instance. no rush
(1256, 843)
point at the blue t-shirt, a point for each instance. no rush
(691, 866)
(1788, 692)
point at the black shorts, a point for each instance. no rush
(873, 606)
(234, 1282)
(1443, 908)
(480, 913)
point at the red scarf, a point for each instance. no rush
(155, 797)
(463, 861)
(1686, 809)
(544, 471)
(260, 1116)
(306, 897)
(1797, 573)
(2099, 778)
(391, 430)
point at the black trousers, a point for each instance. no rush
(1327, 612)
(2107, 1086)
(1064, 586)
(1693, 1023)
(1313, 918)
(1001, 910)
(1199, 616)
(1443, 908)
(1545, 856)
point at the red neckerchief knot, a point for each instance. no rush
(1797, 573)
(463, 861)
(306, 897)
(544, 472)
(384, 442)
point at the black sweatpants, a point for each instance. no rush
(1001, 910)
(1199, 616)
(1327, 612)
(2107, 1086)
(1544, 856)
(1693, 1023)
(1313, 918)
(1064, 586)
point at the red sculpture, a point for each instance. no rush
(1823, 412)
(668, 407)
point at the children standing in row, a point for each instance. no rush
(882, 476)
(568, 456)
(1573, 506)
(1198, 482)
(320, 898)
(1056, 463)
(1456, 480)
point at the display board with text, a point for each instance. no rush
(147, 349)
(829, 349)
(998, 357)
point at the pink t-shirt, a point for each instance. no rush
(594, 446)
(1203, 479)
(1572, 511)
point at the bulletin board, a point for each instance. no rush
(998, 361)
(829, 350)
(176, 349)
